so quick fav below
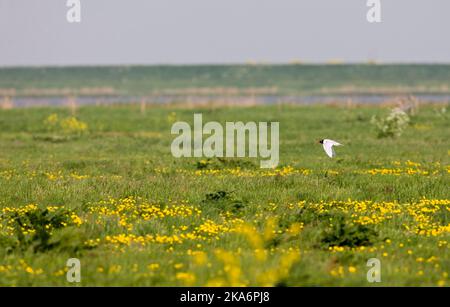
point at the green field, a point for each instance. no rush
(226, 80)
(111, 194)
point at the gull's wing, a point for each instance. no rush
(331, 142)
(329, 149)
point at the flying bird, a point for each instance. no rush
(328, 146)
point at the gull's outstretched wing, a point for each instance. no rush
(328, 147)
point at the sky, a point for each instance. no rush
(135, 32)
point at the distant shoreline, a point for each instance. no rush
(249, 63)
(385, 100)
(227, 81)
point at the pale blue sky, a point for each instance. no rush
(35, 32)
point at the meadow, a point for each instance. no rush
(99, 183)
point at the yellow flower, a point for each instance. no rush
(200, 258)
(186, 277)
(76, 219)
(295, 228)
(216, 282)
(178, 266)
(153, 266)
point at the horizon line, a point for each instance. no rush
(248, 63)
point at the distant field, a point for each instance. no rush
(105, 188)
(226, 80)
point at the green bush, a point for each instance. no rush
(342, 232)
(35, 228)
(393, 125)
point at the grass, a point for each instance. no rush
(226, 80)
(114, 197)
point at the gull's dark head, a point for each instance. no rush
(321, 141)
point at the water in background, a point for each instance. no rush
(234, 100)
